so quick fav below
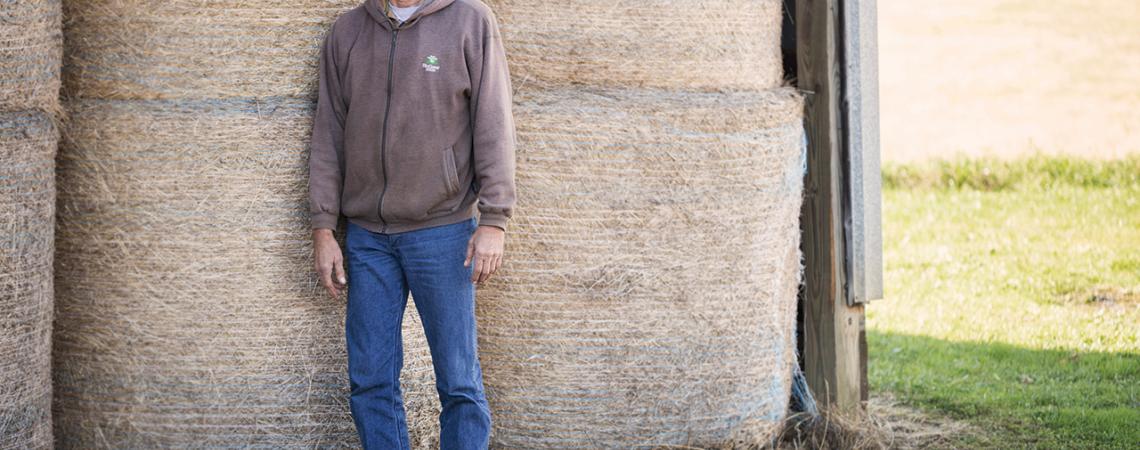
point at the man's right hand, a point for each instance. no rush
(329, 261)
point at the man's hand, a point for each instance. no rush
(329, 261)
(486, 247)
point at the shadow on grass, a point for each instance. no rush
(1024, 397)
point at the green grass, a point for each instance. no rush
(1013, 298)
(992, 174)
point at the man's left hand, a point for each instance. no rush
(486, 249)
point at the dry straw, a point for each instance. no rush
(27, 198)
(31, 46)
(188, 313)
(683, 44)
(153, 49)
(649, 292)
(188, 310)
(30, 51)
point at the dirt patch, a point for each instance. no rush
(1104, 296)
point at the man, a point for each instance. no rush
(413, 142)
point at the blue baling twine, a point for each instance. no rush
(802, 399)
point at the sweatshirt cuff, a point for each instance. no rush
(493, 219)
(324, 220)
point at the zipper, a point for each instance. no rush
(384, 132)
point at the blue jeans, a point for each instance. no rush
(382, 269)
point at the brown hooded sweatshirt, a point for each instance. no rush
(413, 126)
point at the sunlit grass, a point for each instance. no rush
(1013, 297)
(1031, 172)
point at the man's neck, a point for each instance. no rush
(405, 3)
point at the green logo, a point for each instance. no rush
(431, 63)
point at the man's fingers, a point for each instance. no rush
(485, 274)
(478, 269)
(470, 251)
(327, 281)
(339, 267)
(496, 262)
(326, 278)
(490, 267)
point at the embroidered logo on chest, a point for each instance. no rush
(431, 63)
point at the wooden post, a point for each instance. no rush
(835, 351)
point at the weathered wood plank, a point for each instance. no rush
(834, 341)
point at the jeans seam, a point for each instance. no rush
(398, 331)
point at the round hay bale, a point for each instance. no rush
(689, 44)
(155, 49)
(649, 292)
(188, 313)
(27, 197)
(31, 45)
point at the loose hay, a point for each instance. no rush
(687, 44)
(648, 295)
(31, 46)
(156, 49)
(188, 311)
(27, 198)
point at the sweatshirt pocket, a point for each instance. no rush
(421, 186)
(450, 172)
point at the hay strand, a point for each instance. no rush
(161, 49)
(707, 45)
(27, 198)
(648, 295)
(31, 46)
(188, 311)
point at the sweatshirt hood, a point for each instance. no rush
(379, 11)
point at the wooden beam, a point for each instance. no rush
(835, 357)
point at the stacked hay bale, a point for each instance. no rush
(670, 44)
(649, 293)
(30, 52)
(188, 311)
